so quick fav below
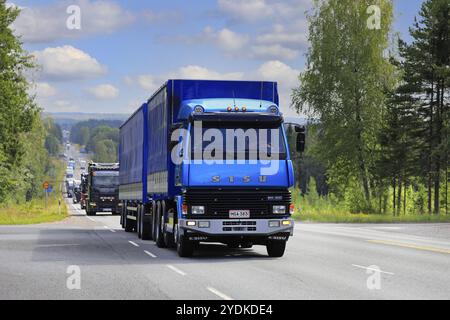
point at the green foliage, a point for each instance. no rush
(344, 84)
(379, 125)
(81, 131)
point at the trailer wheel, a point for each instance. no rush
(129, 225)
(159, 227)
(139, 222)
(185, 248)
(154, 220)
(146, 226)
(276, 249)
(168, 238)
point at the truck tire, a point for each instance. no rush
(168, 237)
(159, 226)
(153, 219)
(185, 248)
(129, 225)
(146, 225)
(276, 249)
(138, 222)
(91, 213)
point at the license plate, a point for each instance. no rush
(239, 214)
(107, 210)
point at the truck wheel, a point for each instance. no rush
(128, 223)
(246, 245)
(185, 248)
(168, 238)
(91, 213)
(233, 245)
(159, 227)
(276, 249)
(153, 219)
(146, 226)
(139, 223)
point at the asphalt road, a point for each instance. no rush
(323, 261)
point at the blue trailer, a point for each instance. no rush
(191, 171)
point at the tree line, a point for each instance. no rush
(26, 141)
(100, 137)
(379, 108)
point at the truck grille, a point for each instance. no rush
(218, 203)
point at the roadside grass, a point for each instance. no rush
(326, 211)
(35, 211)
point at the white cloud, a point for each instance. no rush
(104, 92)
(44, 90)
(61, 106)
(201, 73)
(274, 70)
(245, 10)
(274, 51)
(48, 23)
(287, 78)
(67, 63)
(225, 39)
(258, 10)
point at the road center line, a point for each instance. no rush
(219, 294)
(175, 269)
(150, 254)
(91, 219)
(410, 246)
(134, 244)
(371, 269)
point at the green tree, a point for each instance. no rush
(344, 87)
(427, 66)
(17, 109)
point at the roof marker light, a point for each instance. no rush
(230, 109)
(236, 109)
(273, 109)
(244, 109)
(199, 110)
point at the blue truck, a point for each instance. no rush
(208, 161)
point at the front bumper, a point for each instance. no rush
(229, 227)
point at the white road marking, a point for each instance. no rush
(91, 219)
(134, 243)
(150, 254)
(219, 294)
(366, 268)
(175, 269)
(108, 228)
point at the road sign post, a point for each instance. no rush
(46, 186)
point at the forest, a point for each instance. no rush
(378, 109)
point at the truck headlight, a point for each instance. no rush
(198, 210)
(274, 224)
(279, 210)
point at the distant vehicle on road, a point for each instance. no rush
(71, 164)
(77, 192)
(83, 191)
(103, 188)
(83, 164)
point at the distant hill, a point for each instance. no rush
(68, 119)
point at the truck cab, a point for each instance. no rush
(209, 161)
(102, 186)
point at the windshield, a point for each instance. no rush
(106, 181)
(230, 142)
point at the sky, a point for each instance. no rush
(125, 50)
